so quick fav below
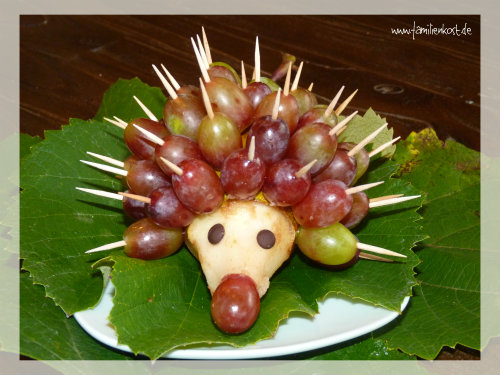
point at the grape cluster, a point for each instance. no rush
(226, 140)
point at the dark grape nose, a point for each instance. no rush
(235, 303)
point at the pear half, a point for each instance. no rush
(241, 237)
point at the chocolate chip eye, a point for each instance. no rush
(216, 234)
(266, 239)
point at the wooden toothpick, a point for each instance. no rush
(109, 246)
(302, 171)
(365, 141)
(167, 86)
(106, 168)
(206, 101)
(178, 171)
(146, 109)
(333, 103)
(295, 83)
(243, 76)
(257, 60)
(341, 124)
(251, 148)
(383, 147)
(202, 52)
(152, 137)
(203, 70)
(101, 193)
(310, 88)
(384, 197)
(357, 189)
(378, 250)
(115, 122)
(276, 107)
(107, 159)
(136, 197)
(207, 47)
(386, 202)
(345, 103)
(364, 255)
(171, 78)
(286, 89)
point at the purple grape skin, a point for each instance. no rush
(313, 142)
(359, 210)
(166, 210)
(343, 168)
(271, 138)
(241, 177)
(256, 91)
(133, 208)
(145, 176)
(282, 187)
(175, 149)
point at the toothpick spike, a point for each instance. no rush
(251, 149)
(120, 120)
(357, 189)
(167, 86)
(107, 159)
(116, 123)
(383, 147)
(204, 72)
(392, 201)
(341, 124)
(202, 52)
(152, 137)
(310, 88)
(101, 193)
(384, 197)
(365, 141)
(109, 246)
(172, 166)
(295, 83)
(367, 256)
(257, 60)
(207, 47)
(243, 76)
(345, 103)
(206, 101)
(276, 107)
(341, 130)
(379, 250)
(333, 103)
(302, 171)
(146, 109)
(286, 89)
(136, 197)
(171, 78)
(106, 168)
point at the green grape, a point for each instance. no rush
(332, 246)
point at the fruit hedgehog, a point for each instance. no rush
(241, 172)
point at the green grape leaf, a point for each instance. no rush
(26, 142)
(119, 101)
(360, 126)
(59, 223)
(445, 310)
(47, 334)
(368, 349)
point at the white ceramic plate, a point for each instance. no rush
(339, 319)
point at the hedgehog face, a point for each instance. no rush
(241, 237)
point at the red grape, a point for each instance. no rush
(131, 160)
(166, 210)
(360, 207)
(235, 303)
(256, 91)
(362, 159)
(313, 142)
(217, 138)
(198, 187)
(241, 177)
(326, 203)
(271, 138)
(134, 208)
(288, 109)
(183, 114)
(315, 114)
(137, 143)
(305, 100)
(282, 187)
(343, 168)
(228, 98)
(176, 148)
(223, 72)
(145, 176)
(146, 240)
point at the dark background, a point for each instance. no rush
(67, 62)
